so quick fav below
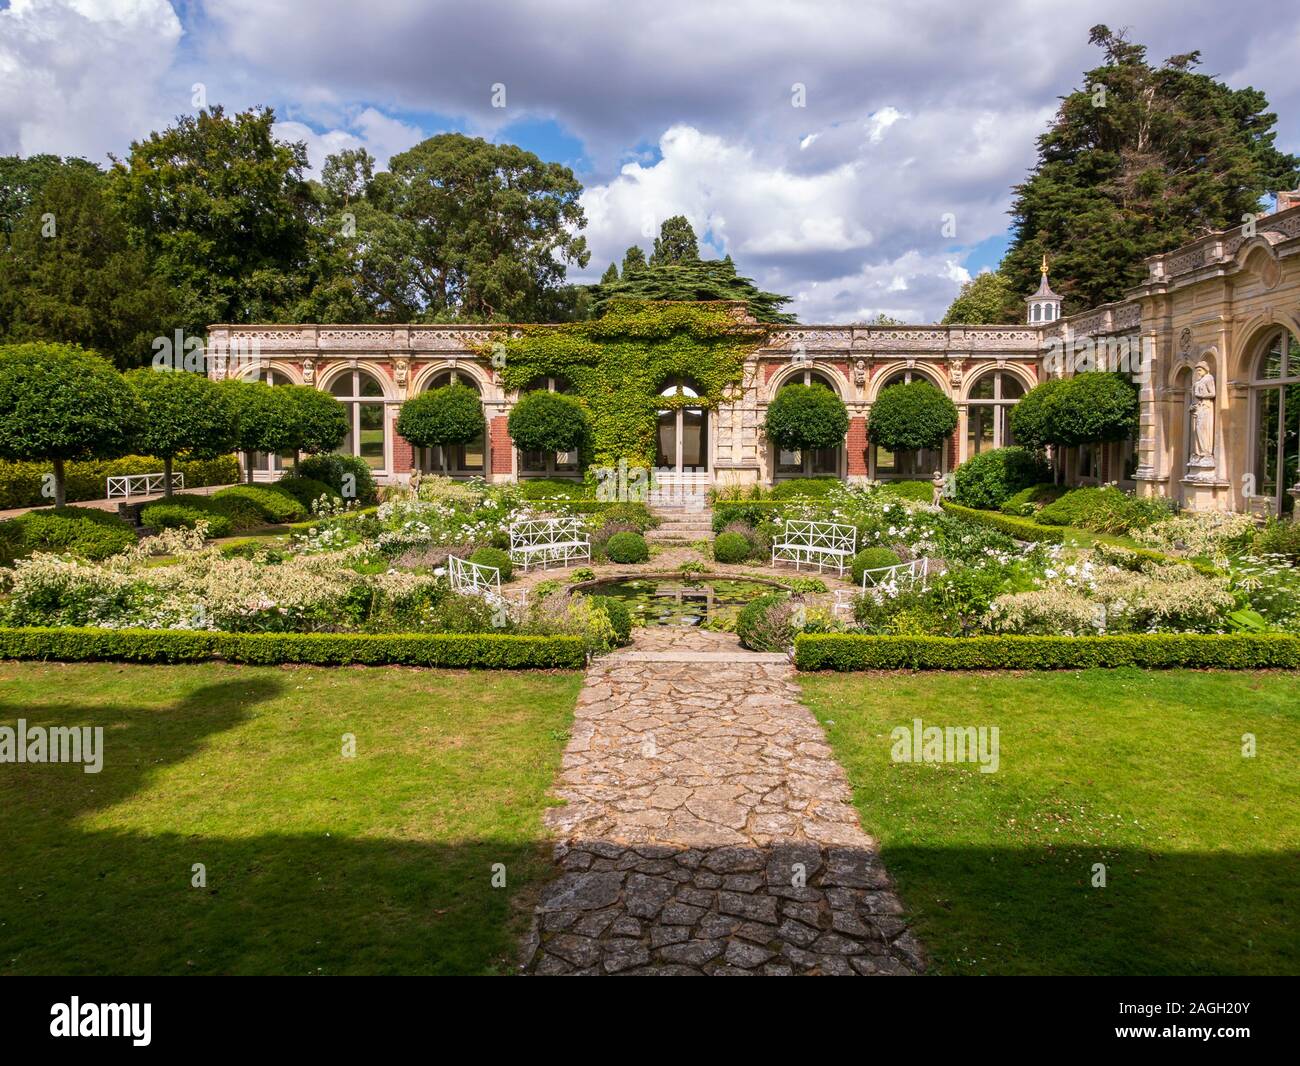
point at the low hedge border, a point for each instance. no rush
(491, 651)
(1020, 528)
(1231, 651)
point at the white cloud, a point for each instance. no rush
(381, 135)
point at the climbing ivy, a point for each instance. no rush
(618, 363)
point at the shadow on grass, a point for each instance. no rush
(80, 900)
(1035, 910)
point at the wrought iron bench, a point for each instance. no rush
(824, 544)
(473, 579)
(127, 485)
(900, 576)
(538, 541)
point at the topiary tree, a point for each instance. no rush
(61, 402)
(442, 418)
(806, 416)
(181, 411)
(991, 478)
(1028, 418)
(548, 422)
(910, 417)
(1093, 407)
(320, 422)
(264, 419)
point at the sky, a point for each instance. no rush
(856, 156)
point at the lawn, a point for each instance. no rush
(315, 863)
(1140, 771)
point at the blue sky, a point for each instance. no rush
(826, 145)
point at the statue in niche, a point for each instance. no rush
(1201, 464)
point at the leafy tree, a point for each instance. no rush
(181, 412)
(911, 416)
(264, 419)
(676, 243)
(882, 319)
(548, 422)
(61, 402)
(1139, 160)
(21, 181)
(71, 274)
(986, 300)
(442, 417)
(1028, 418)
(1093, 407)
(346, 176)
(222, 208)
(610, 275)
(319, 421)
(806, 416)
(633, 261)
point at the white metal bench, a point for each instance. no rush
(825, 544)
(128, 485)
(900, 576)
(473, 579)
(538, 541)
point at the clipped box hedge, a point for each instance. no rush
(1020, 528)
(20, 482)
(1233, 651)
(492, 651)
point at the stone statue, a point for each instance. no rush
(309, 371)
(1202, 423)
(937, 483)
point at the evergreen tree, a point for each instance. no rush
(1139, 160)
(633, 261)
(676, 243)
(610, 275)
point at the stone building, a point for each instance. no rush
(1212, 336)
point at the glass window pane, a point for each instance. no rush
(1271, 364)
(347, 447)
(666, 440)
(983, 389)
(1011, 387)
(788, 462)
(372, 435)
(825, 461)
(369, 386)
(533, 462)
(979, 428)
(342, 385)
(472, 454)
(694, 437)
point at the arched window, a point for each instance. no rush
(809, 462)
(548, 464)
(918, 465)
(990, 400)
(1275, 401)
(462, 460)
(1038, 312)
(268, 467)
(682, 437)
(363, 397)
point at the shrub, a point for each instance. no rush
(442, 417)
(347, 476)
(1029, 418)
(82, 531)
(797, 487)
(1020, 528)
(1088, 407)
(495, 651)
(731, 548)
(627, 547)
(1103, 510)
(806, 416)
(305, 490)
(766, 623)
(177, 515)
(21, 484)
(619, 616)
(872, 559)
(1279, 538)
(635, 515)
(921, 491)
(1146, 650)
(495, 557)
(751, 512)
(548, 422)
(319, 422)
(272, 503)
(987, 480)
(1027, 501)
(912, 416)
(552, 488)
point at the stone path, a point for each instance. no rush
(708, 829)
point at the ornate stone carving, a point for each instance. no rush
(401, 370)
(859, 372)
(309, 371)
(1201, 464)
(355, 338)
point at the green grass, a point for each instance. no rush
(316, 864)
(1141, 771)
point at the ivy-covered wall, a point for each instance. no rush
(619, 363)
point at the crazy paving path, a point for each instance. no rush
(708, 829)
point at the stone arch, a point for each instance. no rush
(787, 375)
(1020, 372)
(932, 374)
(257, 370)
(327, 375)
(464, 368)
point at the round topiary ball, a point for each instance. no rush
(548, 422)
(764, 624)
(909, 417)
(446, 416)
(731, 548)
(627, 548)
(872, 559)
(495, 557)
(806, 416)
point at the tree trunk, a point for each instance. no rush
(59, 498)
(248, 467)
(167, 476)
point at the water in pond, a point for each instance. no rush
(676, 602)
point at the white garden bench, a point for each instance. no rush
(538, 541)
(473, 579)
(125, 486)
(900, 576)
(825, 544)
